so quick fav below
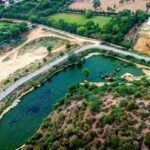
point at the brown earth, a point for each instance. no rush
(138, 4)
(10, 62)
(143, 42)
(142, 46)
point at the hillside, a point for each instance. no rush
(109, 117)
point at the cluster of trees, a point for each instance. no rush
(37, 11)
(34, 8)
(11, 30)
(115, 30)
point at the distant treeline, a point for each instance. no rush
(95, 13)
(38, 11)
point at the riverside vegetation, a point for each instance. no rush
(38, 102)
(113, 116)
(73, 59)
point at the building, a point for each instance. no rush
(6, 2)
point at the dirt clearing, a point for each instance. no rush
(35, 49)
(132, 5)
(143, 42)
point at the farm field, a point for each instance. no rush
(137, 4)
(79, 19)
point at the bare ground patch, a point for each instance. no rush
(143, 43)
(137, 4)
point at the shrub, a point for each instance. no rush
(117, 113)
(147, 140)
(51, 139)
(131, 105)
(123, 103)
(37, 136)
(78, 143)
(95, 105)
(114, 142)
(107, 119)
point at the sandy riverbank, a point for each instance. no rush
(15, 103)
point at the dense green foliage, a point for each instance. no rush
(115, 30)
(34, 9)
(11, 30)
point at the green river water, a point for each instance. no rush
(20, 123)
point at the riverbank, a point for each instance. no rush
(21, 92)
(145, 69)
(37, 104)
(15, 103)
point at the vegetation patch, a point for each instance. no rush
(80, 19)
(74, 125)
(41, 42)
(11, 30)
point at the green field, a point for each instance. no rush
(79, 19)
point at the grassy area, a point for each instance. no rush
(4, 24)
(79, 19)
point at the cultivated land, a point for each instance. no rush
(143, 41)
(138, 4)
(79, 19)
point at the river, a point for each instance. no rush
(20, 123)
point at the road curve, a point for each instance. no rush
(46, 67)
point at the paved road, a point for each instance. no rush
(43, 69)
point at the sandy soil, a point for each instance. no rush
(130, 77)
(143, 43)
(16, 62)
(93, 83)
(138, 4)
(12, 61)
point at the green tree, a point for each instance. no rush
(141, 16)
(86, 72)
(68, 45)
(107, 119)
(49, 48)
(96, 3)
(88, 14)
